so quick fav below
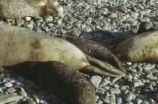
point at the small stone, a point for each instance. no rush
(139, 101)
(115, 79)
(138, 83)
(123, 1)
(130, 102)
(112, 98)
(22, 92)
(8, 84)
(134, 14)
(37, 100)
(145, 102)
(151, 76)
(106, 99)
(115, 90)
(20, 21)
(129, 77)
(129, 63)
(100, 90)
(105, 82)
(99, 102)
(59, 22)
(148, 67)
(129, 96)
(76, 32)
(27, 18)
(95, 80)
(29, 101)
(119, 100)
(9, 98)
(43, 102)
(49, 19)
(11, 90)
(124, 87)
(112, 15)
(30, 26)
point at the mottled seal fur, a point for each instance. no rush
(142, 47)
(20, 45)
(23, 8)
(94, 49)
(65, 82)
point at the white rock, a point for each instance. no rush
(8, 84)
(138, 83)
(129, 96)
(27, 18)
(95, 80)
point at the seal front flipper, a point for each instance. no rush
(65, 82)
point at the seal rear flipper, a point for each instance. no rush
(106, 67)
(65, 82)
(94, 49)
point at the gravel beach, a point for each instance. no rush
(89, 19)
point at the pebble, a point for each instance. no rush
(129, 77)
(11, 90)
(138, 83)
(22, 92)
(8, 84)
(76, 32)
(119, 100)
(29, 101)
(129, 63)
(4, 99)
(129, 96)
(30, 26)
(139, 101)
(99, 102)
(28, 18)
(115, 90)
(95, 80)
(112, 15)
(100, 90)
(48, 18)
(149, 67)
(151, 76)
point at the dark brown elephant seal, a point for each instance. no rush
(68, 84)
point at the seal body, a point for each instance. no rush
(68, 84)
(23, 8)
(22, 45)
(143, 47)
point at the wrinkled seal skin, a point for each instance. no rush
(65, 82)
(94, 49)
(23, 8)
(21, 45)
(143, 47)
